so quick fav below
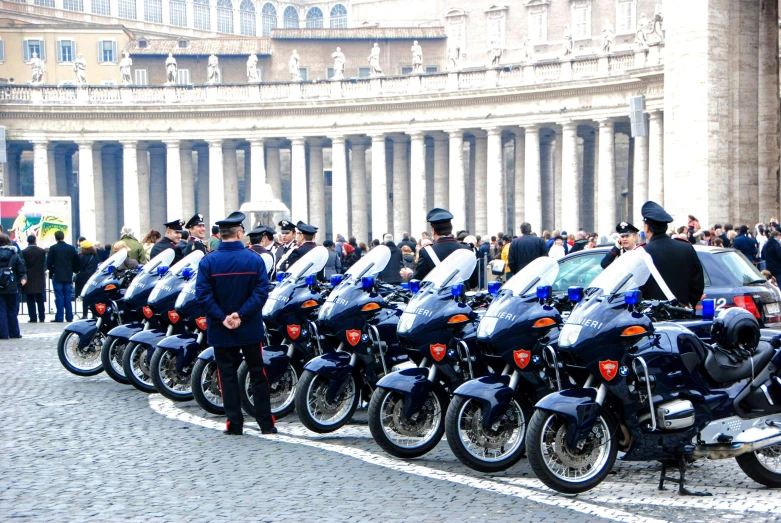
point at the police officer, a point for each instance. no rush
(288, 232)
(260, 238)
(173, 235)
(677, 262)
(232, 286)
(444, 245)
(627, 241)
(197, 230)
(306, 242)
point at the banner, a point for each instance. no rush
(41, 217)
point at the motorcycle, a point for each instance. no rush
(164, 322)
(80, 343)
(655, 390)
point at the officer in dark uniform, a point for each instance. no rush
(173, 235)
(260, 238)
(232, 286)
(197, 230)
(627, 241)
(677, 262)
(288, 231)
(305, 240)
(444, 244)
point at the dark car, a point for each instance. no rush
(730, 279)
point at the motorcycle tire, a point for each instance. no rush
(753, 467)
(205, 386)
(135, 358)
(111, 355)
(464, 421)
(285, 403)
(67, 350)
(313, 385)
(547, 432)
(163, 372)
(380, 403)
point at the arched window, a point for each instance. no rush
(201, 18)
(338, 16)
(248, 24)
(224, 16)
(269, 18)
(290, 17)
(314, 18)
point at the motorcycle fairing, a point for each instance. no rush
(494, 394)
(207, 354)
(578, 406)
(86, 330)
(336, 367)
(125, 332)
(150, 338)
(185, 346)
(413, 384)
(276, 361)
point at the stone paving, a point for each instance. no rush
(79, 449)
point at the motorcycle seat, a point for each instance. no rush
(723, 370)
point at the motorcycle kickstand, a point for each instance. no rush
(681, 481)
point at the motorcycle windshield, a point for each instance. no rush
(149, 271)
(540, 272)
(311, 263)
(187, 294)
(167, 283)
(115, 261)
(454, 269)
(372, 264)
(630, 271)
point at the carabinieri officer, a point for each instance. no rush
(305, 240)
(288, 232)
(173, 235)
(627, 241)
(260, 238)
(232, 287)
(197, 230)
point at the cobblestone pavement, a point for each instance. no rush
(91, 449)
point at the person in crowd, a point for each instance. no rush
(760, 234)
(392, 272)
(408, 259)
(505, 255)
(728, 235)
(287, 243)
(556, 250)
(375, 243)
(149, 241)
(63, 263)
(525, 249)
(717, 242)
(88, 264)
(357, 248)
(592, 241)
(364, 248)
(129, 264)
(214, 239)
(406, 241)
(773, 282)
(173, 235)
(135, 249)
(627, 241)
(424, 236)
(581, 240)
(350, 256)
(746, 244)
(197, 239)
(306, 242)
(333, 265)
(772, 254)
(12, 270)
(34, 291)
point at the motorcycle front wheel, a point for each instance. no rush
(405, 437)
(168, 380)
(205, 385)
(111, 355)
(763, 465)
(83, 361)
(283, 392)
(566, 469)
(315, 411)
(136, 368)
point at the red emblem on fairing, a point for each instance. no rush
(353, 337)
(608, 369)
(522, 357)
(293, 331)
(437, 351)
(148, 313)
(101, 308)
(201, 323)
(173, 316)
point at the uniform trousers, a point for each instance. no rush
(228, 361)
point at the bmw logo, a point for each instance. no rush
(364, 338)
(535, 359)
(623, 371)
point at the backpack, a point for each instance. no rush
(7, 277)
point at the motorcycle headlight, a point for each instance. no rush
(486, 327)
(405, 323)
(325, 310)
(569, 335)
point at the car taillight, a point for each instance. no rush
(745, 302)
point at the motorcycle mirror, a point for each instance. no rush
(493, 287)
(708, 309)
(414, 285)
(405, 285)
(367, 282)
(310, 280)
(575, 294)
(632, 298)
(336, 279)
(457, 290)
(162, 270)
(544, 292)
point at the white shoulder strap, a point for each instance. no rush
(657, 276)
(431, 254)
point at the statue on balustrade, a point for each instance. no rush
(124, 68)
(643, 25)
(417, 58)
(527, 53)
(339, 60)
(452, 59)
(607, 37)
(37, 67)
(80, 68)
(496, 53)
(213, 70)
(253, 75)
(657, 21)
(374, 60)
(171, 70)
(293, 66)
(569, 43)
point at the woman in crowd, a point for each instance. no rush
(129, 263)
(407, 257)
(333, 265)
(149, 241)
(88, 264)
(9, 291)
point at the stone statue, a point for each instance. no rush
(527, 53)
(338, 57)
(658, 31)
(496, 54)
(374, 60)
(641, 40)
(569, 43)
(452, 59)
(293, 67)
(253, 76)
(213, 70)
(80, 68)
(171, 70)
(124, 69)
(37, 67)
(607, 37)
(417, 58)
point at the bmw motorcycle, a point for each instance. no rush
(656, 391)
(80, 343)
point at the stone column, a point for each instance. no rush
(157, 186)
(87, 222)
(429, 152)
(216, 187)
(441, 196)
(495, 184)
(532, 175)
(768, 102)
(57, 176)
(457, 193)
(41, 187)
(656, 158)
(640, 175)
(379, 185)
(203, 186)
(173, 180)
(188, 183)
(110, 194)
(247, 188)
(274, 172)
(547, 182)
(132, 216)
(606, 178)
(97, 171)
(417, 187)
(570, 178)
(359, 203)
(340, 206)
(11, 179)
(317, 203)
(143, 188)
(558, 152)
(298, 190)
(230, 177)
(520, 189)
(588, 188)
(481, 184)
(257, 173)
(401, 200)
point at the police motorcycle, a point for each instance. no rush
(655, 391)
(134, 301)
(80, 343)
(360, 317)
(164, 320)
(438, 330)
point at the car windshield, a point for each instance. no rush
(455, 269)
(311, 263)
(737, 265)
(630, 271)
(541, 271)
(578, 270)
(370, 265)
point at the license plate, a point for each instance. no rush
(772, 309)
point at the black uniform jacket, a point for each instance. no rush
(163, 244)
(282, 250)
(680, 268)
(443, 247)
(298, 253)
(192, 245)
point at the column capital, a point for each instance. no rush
(569, 125)
(337, 140)
(172, 143)
(532, 128)
(655, 115)
(493, 131)
(417, 135)
(376, 136)
(454, 132)
(606, 122)
(298, 141)
(39, 143)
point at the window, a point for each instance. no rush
(183, 77)
(178, 14)
(364, 72)
(247, 23)
(538, 25)
(314, 18)
(73, 5)
(406, 69)
(127, 9)
(34, 46)
(107, 51)
(225, 16)
(182, 44)
(153, 11)
(66, 51)
(101, 7)
(625, 16)
(142, 44)
(141, 77)
(329, 73)
(432, 69)
(2, 51)
(581, 19)
(290, 17)
(578, 271)
(338, 16)
(739, 267)
(304, 73)
(201, 16)
(269, 19)
(44, 3)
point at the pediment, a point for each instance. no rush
(494, 8)
(455, 13)
(535, 3)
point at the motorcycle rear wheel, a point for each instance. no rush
(84, 361)
(111, 355)
(136, 369)
(168, 381)
(283, 392)
(763, 465)
(205, 386)
(316, 412)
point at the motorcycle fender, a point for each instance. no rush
(125, 332)
(275, 361)
(493, 393)
(149, 338)
(336, 367)
(207, 355)
(185, 346)
(578, 406)
(86, 330)
(413, 384)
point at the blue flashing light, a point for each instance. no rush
(187, 273)
(140, 268)
(367, 282)
(336, 279)
(633, 297)
(310, 280)
(544, 292)
(405, 285)
(414, 285)
(493, 287)
(280, 276)
(708, 309)
(110, 269)
(162, 270)
(457, 290)
(575, 294)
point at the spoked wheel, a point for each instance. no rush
(205, 386)
(567, 469)
(315, 411)
(84, 361)
(406, 437)
(168, 380)
(763, 465)
(283, 392)
(136, 367)
(111, 355)
(491, 449)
